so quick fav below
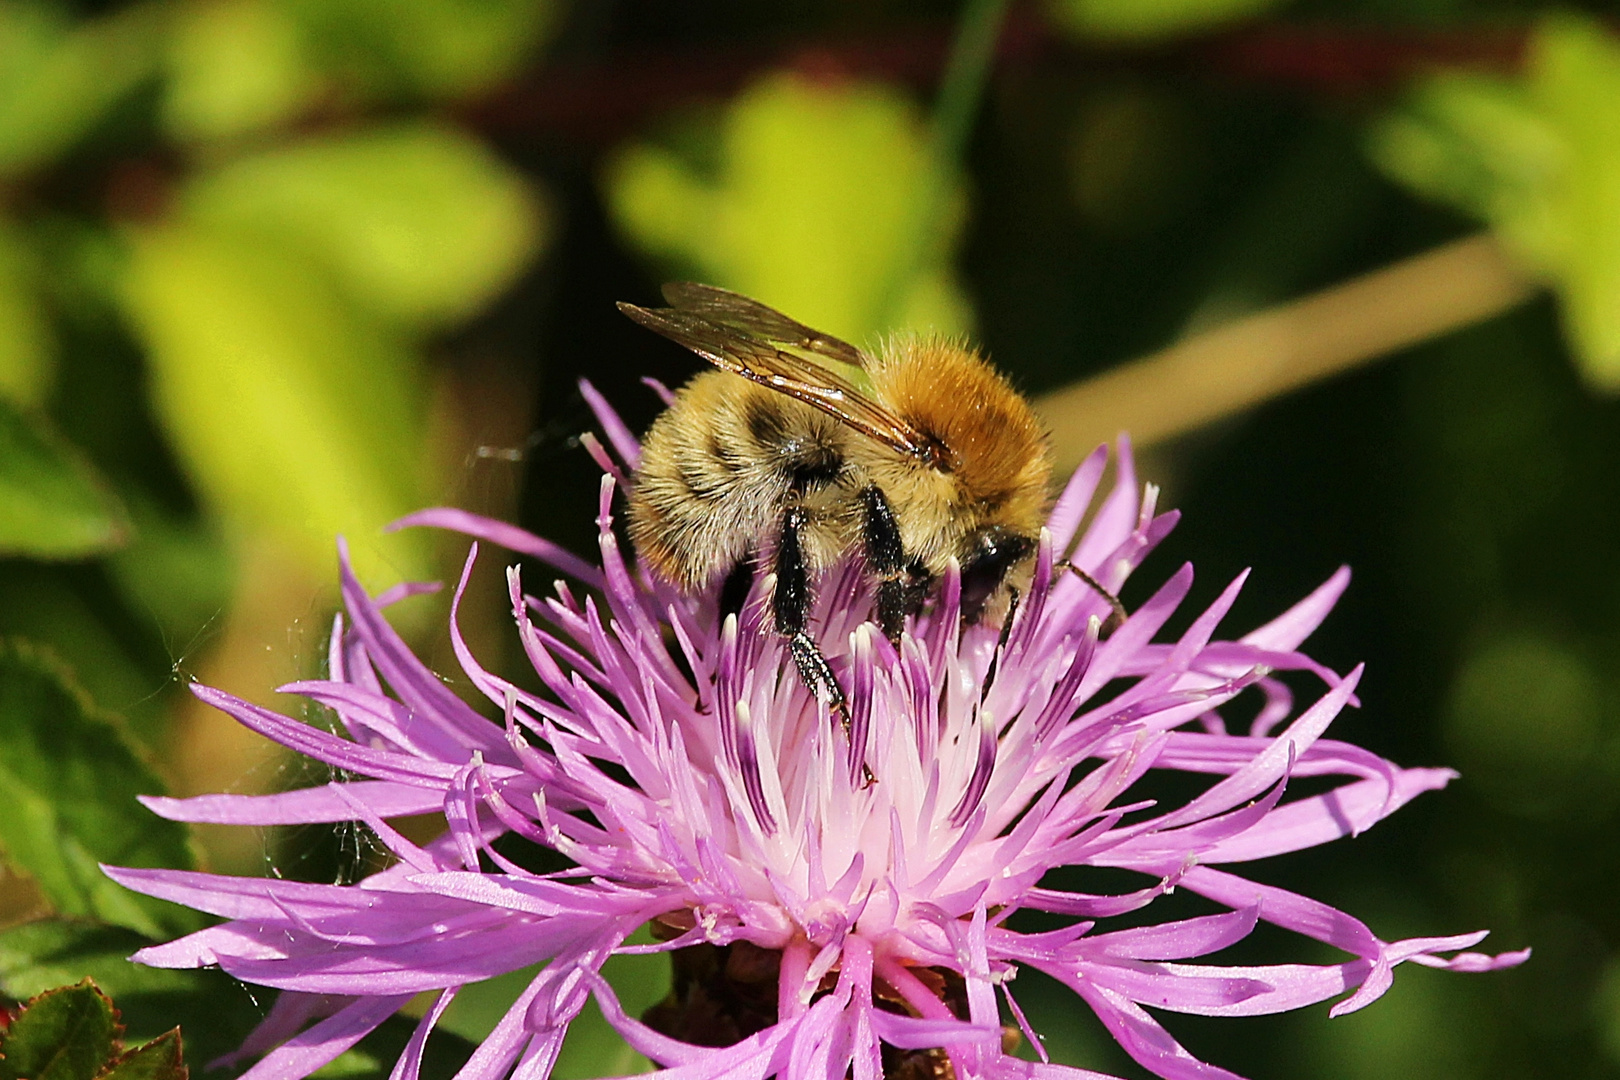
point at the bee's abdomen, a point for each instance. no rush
(717, 469)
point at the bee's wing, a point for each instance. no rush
(804, 378)
(734, 311)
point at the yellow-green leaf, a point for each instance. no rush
(433, 48)
(235, 66)
(58, 79)
(417, 223)
(1538, 159)
(27, 349)
(810, 209)
(293, 417)
(1144, 20)
(159, 1059)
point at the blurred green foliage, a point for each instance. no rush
(427, 49)
(237, 67)
(282, 305)
(59, 77)
(230, 234)
(272, 270)
(417, 226)
(1143, 21)
(799, 194)
(1521, 680)
(52, 504)
(1538, 158)
(70, 776)
(314, 263)
(27, 351)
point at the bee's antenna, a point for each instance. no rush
(1118, 615)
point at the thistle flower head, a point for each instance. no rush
(855, 888)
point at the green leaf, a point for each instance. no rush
(213, 1010)
(63, 1034)
(178, 571)
(57, 80)
(295, 418)
(811, 209)
(48, 605)
(160, 1059)
(235, 67)
(73, 1033)
(52, 503)
(417, 224)
(1538, 159)
(425, 48)
(27, 348)
(71, 777)
(1146, 20)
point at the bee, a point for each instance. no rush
(801, 448)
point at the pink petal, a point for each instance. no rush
(627, 445)
(507, 536)
(305, 806)
(1071, 506)
(1344, 811)
(1145, 1040)
(309, 1050)
(1296, 624)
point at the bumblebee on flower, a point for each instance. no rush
(840, 899)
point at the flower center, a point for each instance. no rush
(721, 994)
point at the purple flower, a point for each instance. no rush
(855, 886)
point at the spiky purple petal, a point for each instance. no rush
(682, 769)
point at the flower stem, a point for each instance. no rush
(961, 88)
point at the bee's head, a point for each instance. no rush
(988, 556)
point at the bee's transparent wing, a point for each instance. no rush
(732, 348)
(734, 311)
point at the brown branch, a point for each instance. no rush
(1234, 367)
(1336, 61)
(597, 102)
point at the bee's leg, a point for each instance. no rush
(918, 582)
(886, 559)
(1118, 615)
(734, 590)
(790, 604)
